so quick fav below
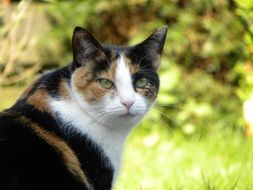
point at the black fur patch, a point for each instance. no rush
(50, 81)
(94, 163)
(150, 75)
(27, 162)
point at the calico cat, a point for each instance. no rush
(67, 130)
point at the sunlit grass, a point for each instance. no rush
(161, 160)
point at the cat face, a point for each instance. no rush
(117, 84)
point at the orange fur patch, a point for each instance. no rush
(63, 90)
(39, 99)
(133, 68)
(90, 89)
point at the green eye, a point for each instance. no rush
(141, 83)
(105, 83)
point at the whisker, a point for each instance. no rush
(142, 68)
(148, 70)
(144, 58)
(96, 113)
(166, 115)
(167, 106)
(163, 124)
(110, 121)
(101, 121)
(166, 126)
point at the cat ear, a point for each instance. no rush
(155, 42)
(152, 47)
(84, 46)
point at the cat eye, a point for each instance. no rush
(105, 83)
(141, 83)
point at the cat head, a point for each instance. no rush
(115, 83)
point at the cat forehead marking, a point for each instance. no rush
(122, 71)
(123, 80)
(119, 63)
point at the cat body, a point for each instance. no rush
(67, 130)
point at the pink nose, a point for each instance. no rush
(127, 104)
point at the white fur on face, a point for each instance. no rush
(124, 93)
(109, 110)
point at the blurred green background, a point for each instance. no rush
(195, 136)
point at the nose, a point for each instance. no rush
(127, 104)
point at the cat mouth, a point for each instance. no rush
(126, 115)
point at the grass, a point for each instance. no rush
(162, 160)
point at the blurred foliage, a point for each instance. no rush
(15, 39)
(244, 67)
(159, 160)
(204, 35)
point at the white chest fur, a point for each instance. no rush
(111, 140)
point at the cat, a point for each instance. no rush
(67, 130)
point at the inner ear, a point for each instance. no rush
(85, 46)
